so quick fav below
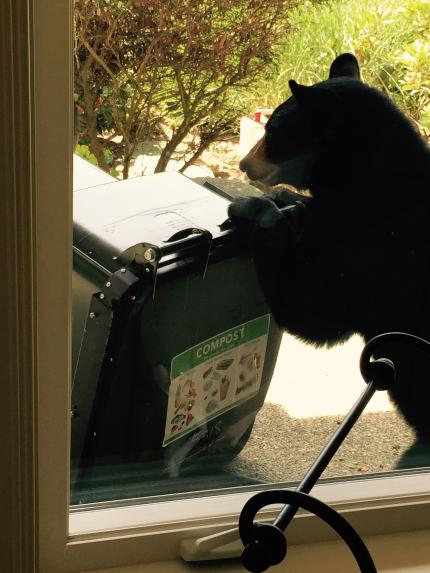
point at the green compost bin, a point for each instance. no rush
(173, 344)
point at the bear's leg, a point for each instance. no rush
(417, 456)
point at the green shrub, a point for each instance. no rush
(391, 39)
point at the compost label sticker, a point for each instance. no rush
(215, 376)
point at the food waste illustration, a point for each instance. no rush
(215, 376)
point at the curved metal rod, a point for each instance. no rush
(265, 544)
(269, 538)
(366, 366)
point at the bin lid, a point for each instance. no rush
(86, 174)
(116, 216)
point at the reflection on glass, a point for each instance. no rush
(182, 380)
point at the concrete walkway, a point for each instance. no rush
(311, 382)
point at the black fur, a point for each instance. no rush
(355, 258)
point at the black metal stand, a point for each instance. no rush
(265, 544)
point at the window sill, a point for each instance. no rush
(398, 553)
(163, 531)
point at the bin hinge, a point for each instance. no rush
(117, 285)
(148, 256)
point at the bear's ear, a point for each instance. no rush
(298, 91)
(345, 66)
(314, 97)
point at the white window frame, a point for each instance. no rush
(37, 80)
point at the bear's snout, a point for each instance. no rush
(255, 164)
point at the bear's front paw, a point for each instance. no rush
(250, 213)
(283, 197)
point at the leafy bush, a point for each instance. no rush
(84, 151)
(152, 67)
(414, 81)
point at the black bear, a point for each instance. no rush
(354, 254)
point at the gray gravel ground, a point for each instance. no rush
(282, 448)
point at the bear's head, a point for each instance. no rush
(333, 135)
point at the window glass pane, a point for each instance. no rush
(182, 380)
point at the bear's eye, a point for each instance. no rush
(272, 149)
(269, 140)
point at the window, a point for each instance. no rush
(148, 417)
(136, 532)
